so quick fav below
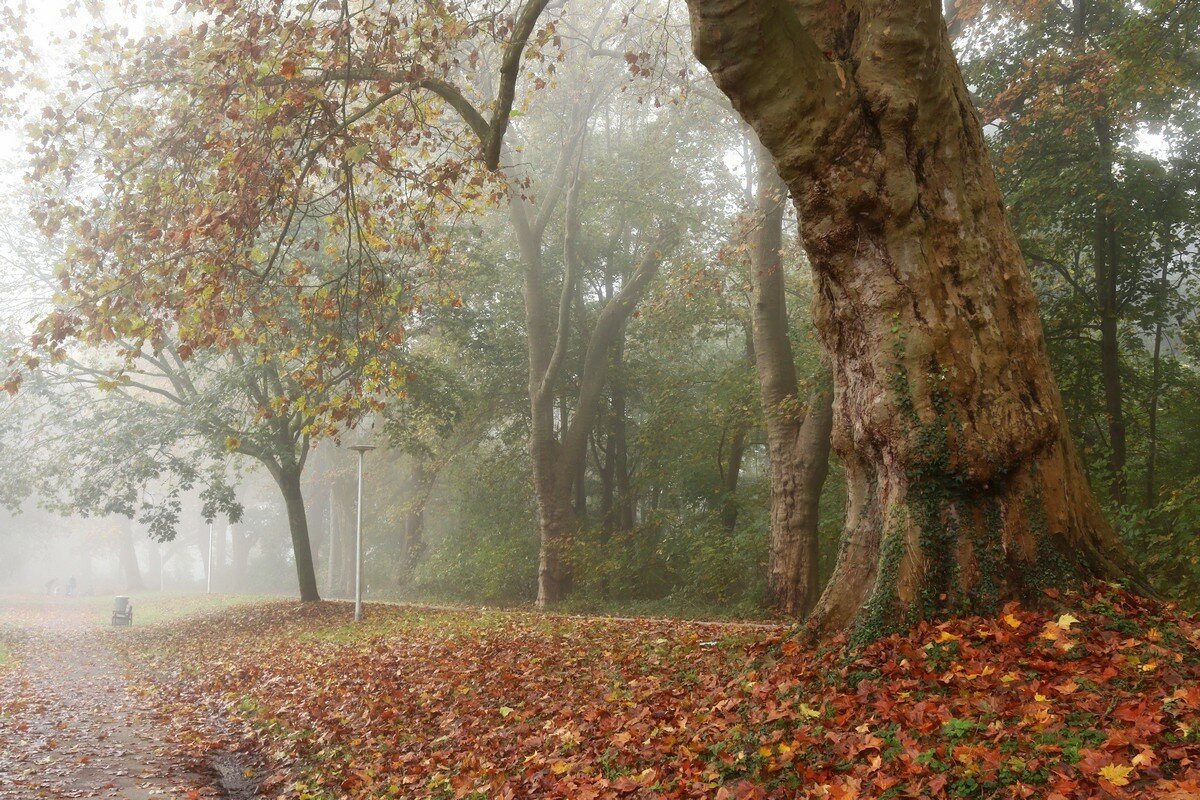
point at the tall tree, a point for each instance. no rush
(557, 453)
(1070, 91)
(965, 488)
(798, 432)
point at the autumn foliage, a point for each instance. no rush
(1096, 698)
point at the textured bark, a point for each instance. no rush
(964, 486)
(799, 453)
(797, 434)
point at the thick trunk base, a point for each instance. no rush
(965, 489)
(922, 543)
(558, 524)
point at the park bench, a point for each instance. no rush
(122, 615)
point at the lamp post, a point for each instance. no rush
(362, 449)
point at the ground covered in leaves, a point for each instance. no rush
(1098, 698)
(70, 723)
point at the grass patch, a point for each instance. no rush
(149, 608)
(152, 608)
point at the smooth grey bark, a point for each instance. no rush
(288, 480)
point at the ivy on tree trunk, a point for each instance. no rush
(965, 489)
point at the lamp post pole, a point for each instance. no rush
(208, 590)
(362, 450)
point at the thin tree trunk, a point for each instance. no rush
(1151, 495)
(964, 487)
(293, 498)
(414, 517)
(241, 557)
(1152, 421)
(626, 501)
(220, 574)
(346, 535)
(797, 476)
(1105, 274)
(335, 553)
(731, 474)
(616, 496)
(607, 472)
(556, 463)
(797, 436)
(1106, 269)
(128, 558)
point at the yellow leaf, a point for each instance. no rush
(808, 712)
(1116, 774)
(1144, 758)
(1066, 621)
(505, 711)
(1012, 621)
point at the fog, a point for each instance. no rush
(556, 284)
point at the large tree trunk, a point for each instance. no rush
(557, 522)
(289, 484)
(797, 436)
(128, 558)
(964, 487)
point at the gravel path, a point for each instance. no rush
(69, 724)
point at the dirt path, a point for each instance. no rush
(69, 725)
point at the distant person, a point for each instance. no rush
(71, 584)
(51, 585)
